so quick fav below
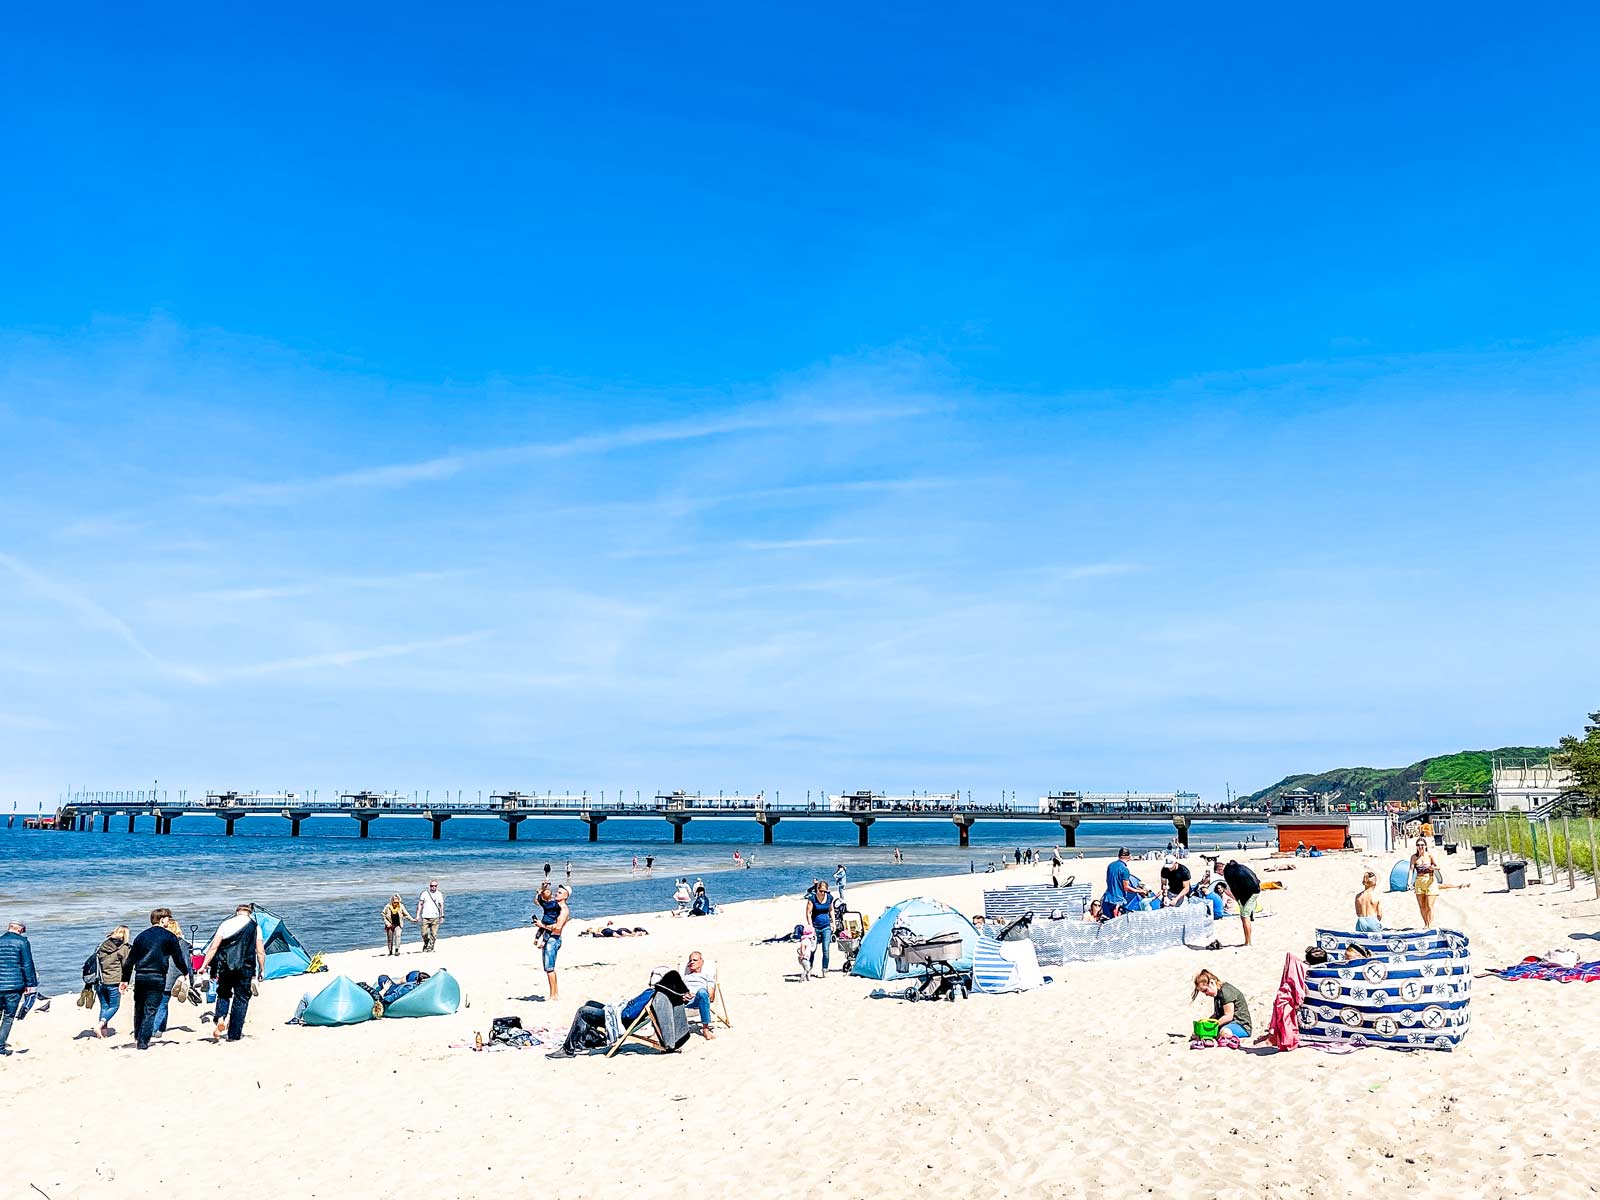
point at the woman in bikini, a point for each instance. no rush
(1425, 872)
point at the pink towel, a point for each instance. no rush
(1284, 1030)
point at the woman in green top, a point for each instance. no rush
(1229, 1009)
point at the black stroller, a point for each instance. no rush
(934, 958)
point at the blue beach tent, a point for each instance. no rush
(285, 955)
(925, 918)
(1400, 876)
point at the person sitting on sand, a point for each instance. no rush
(1229, 1009)
(1095, 913)
(701, 906)
(1369, 909)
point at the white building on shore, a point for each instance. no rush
(1528, 784)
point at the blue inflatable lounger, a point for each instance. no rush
(437, 996)
(342, 1002)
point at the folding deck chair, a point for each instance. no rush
(663, 1023)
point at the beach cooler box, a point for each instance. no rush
(1411, 990)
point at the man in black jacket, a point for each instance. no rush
(148, 958)
(238, 954)
(17, 976)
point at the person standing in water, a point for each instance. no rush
(1427, 879)
(1369, 908)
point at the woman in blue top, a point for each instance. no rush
(819, 911)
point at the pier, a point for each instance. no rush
(862, 809)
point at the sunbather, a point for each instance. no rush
(702, 982)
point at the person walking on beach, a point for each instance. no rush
(152, 952)
(174, 972)
(1246, 889)
(819, 915)
(18, 978)
(430, 914)
(112, 959)
(395, 917)
(551, 922)
(1369, 908)
(238, 954)
(1427, 880)
(839, 880)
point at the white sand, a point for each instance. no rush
(817, 1090)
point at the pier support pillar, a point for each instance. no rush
(105, 823)
(294, 826)
(228, 821)
(593, 821)
(862, 825)
(438, 820)
(679, 820)
(511, 825)
(1181, 824)
(1069, 831)
(768, 822)
(963, 826)
(130, 822)
(366, 819)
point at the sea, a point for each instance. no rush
(328, 885)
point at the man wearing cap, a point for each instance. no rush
(430, 912)
(17, 976)
(1175, 881)
(1123, 891)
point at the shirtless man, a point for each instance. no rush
(1369, 909)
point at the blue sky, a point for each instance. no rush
(720, 398)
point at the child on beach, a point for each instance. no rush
(808, 947)
(1229, 1009)
(1369, 909)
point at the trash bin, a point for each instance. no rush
(1480, 856)
(1451, 847)
(1516, 874)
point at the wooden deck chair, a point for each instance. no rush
(663, 1023)
(719, 1002)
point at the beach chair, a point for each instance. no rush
(663, 1023)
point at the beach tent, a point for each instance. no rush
(924, 918)
(1400, 876)
(285, 955)
(436, 996)
(342, 1002)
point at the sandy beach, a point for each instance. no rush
(1077, 1089)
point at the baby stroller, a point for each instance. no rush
(935, 958)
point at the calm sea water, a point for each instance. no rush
(328, 885)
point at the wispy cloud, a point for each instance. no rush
(92, 616)
(801, 543)
(448, 466)
(345, 658)
(313, 587)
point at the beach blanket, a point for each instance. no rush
(1283, 1031)
(1538, 968)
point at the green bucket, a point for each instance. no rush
(1206, 1029)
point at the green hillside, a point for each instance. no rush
(1468, 771)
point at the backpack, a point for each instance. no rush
(239, 952)
(91, 970)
